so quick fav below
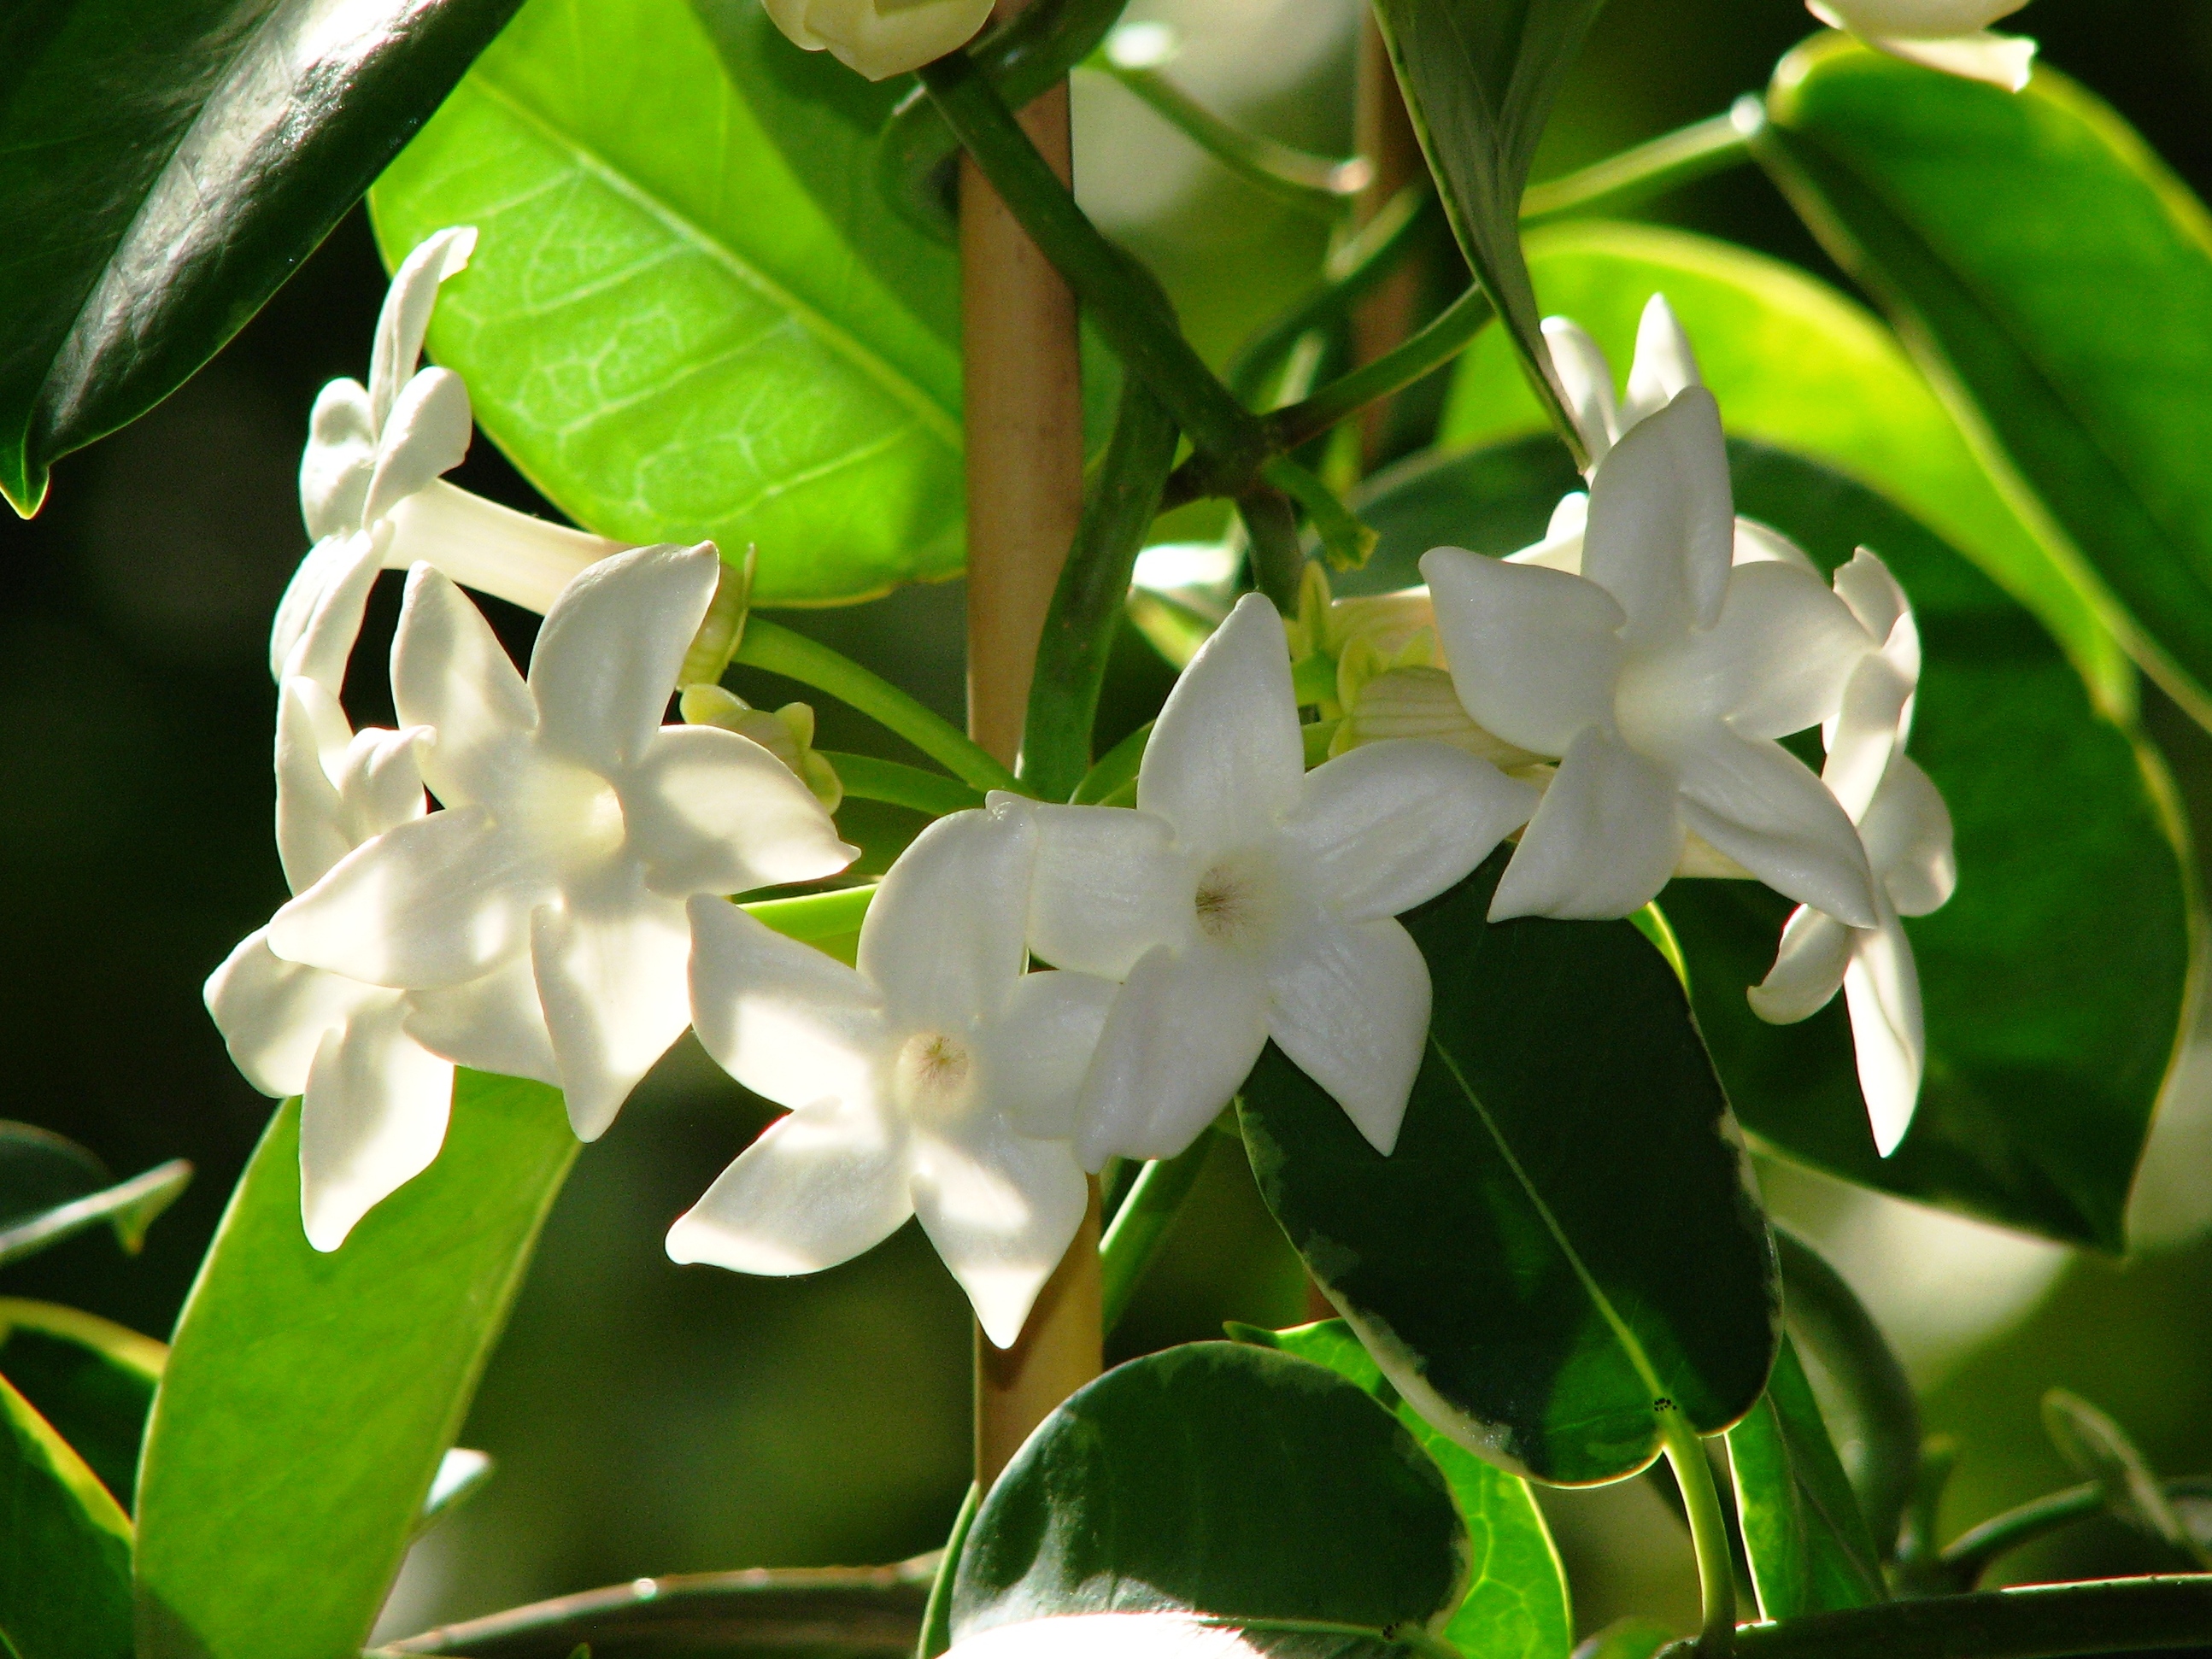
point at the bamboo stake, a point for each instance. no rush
(1384, 135)
(1025, 448)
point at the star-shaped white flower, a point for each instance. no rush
(1660, 678)
(1951, 36)
(1246, 898)
(936, 1079)
(1907, 831)
(575, 825)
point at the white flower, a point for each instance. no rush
(372, 497)
(1112, 1636)
(1660, 678)
(1665, 365)
(1246, 898)
(575, 825)
(1951, 36)
(937, 1079)
(1907, 831)
(880, 38)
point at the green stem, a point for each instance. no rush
(2033, 1621)
(1277, 557)
(1094, 584)
(1123, 300)
(780, 650)
(1974, 1552)
(1444, 339)
(937, 1617)
(1345, 541)
(1708, 1532)
(867, 778)
(1295, 176)
(1708, 146)
(1116, 770)
(812, 917)
(1142, 1222)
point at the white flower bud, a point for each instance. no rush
(880, 38)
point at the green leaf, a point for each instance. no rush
(2053, 982)
(309, 1398)
(2052, 276)
(690, 313)
(93, 1380)
(2100, 1449)
(1517, 1606)
(1225, 1479)
(65, 1547)
(1809, 1548)
(1479, 77)
(937, 1616)
(51, 1188)
(163, 168)
(1566, 1234)
(1632, 1638)
(1796, 365)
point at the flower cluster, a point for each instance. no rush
(1038, 988)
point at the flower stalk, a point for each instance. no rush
(1709, 1531)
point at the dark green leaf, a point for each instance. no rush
(1516, 1605)
(1809, 1548)
(1800, 367)
(94, 1381)
(65, 1547)
(40, 1170)
(1221, 1479)
(129, 1206)
(1479, 76)
(690, 314)
(2053, 277)
(1566, 1234)
(2100, 1449)
(311, 1397)
(2053, 981)
(163, 168)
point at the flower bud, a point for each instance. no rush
(786, 732)
(880, 38)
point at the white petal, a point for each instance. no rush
(1109, 1635)
(818, 1187)
(613, 964)
(311, 833)
(405, 318)
(1391, 825)
(1758, 544)
(1781, 651)
(1882, 988)
(944, 937)
(1605, 838)
(273, 1014)
(1662, 530)
(1874, 596)
(373, 1118)
(336, 466)
(604, 664)
(2002, 60)
(428, 435)
(1909, 840)
(1001, 1210)
(1036, 1055)
(328, 562)
(324, 644)
(710, 812)
(1225, 758)
(380, 779)
(1179, 1043)
(1864, 733)
(880, 41)
(1666, 364)
(490, 1024)
(1534, 652)
(1586, 378)
(1922, 18)
(438, 901)
(784, 1020)
(1351, 1008)
(1108, 886)
(1762, 807)
(1808, 971)
(490, 548)
(449, 671)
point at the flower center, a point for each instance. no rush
(1231, 903)
(933, 1077)
(574, 815)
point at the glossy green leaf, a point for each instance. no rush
(2100, 1449)
(1566, 1234)
(65, 1547)
(1220, 1479)
(1796, 365)
(2053, 278)
(92, 1379)
(164, 167)
(1479, 77)
(1515, 1606)
(2054, 982)
(1809, 1548)
(690, 313)
(313, 1396)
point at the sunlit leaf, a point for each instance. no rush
(65, 1547)
(1566, 1235)
(164, 167)
(92, 1379)
(313, 1397)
